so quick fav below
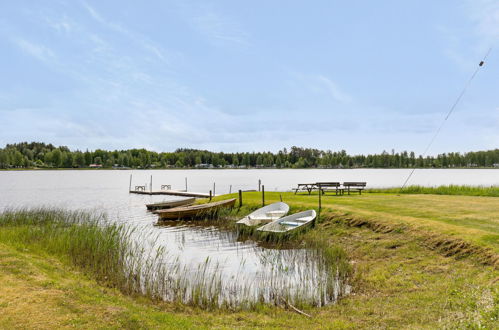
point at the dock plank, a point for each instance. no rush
(171, 193)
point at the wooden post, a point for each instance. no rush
(186, 184)
(263, 195)
(240, 198)
(320, 205)
(150, 187)
(130, 185)
(230, 189)
(259, 184)
(210, 195)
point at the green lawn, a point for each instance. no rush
(474, 219)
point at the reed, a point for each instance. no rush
(491, 191)
(117, 256)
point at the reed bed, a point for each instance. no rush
(491, 191)
(314, 275)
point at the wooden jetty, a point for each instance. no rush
(171, 193)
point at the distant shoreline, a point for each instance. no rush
(241, 169)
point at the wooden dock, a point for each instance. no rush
(171, 193)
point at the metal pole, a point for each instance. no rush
(230, 189)
(280, 196)
(185, 183)
(214, 189)
(240, 198)
(130, 185)
(210, 195)
(259, 184)
(150, 187)
(263, 195)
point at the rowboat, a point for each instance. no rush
(194, 211)
(292, 222)
(265, 215)
(170, 204)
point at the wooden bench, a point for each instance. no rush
(354, 186)
(306, 186)
(330, 186)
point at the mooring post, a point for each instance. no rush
(263, 195)
(130, 185)
(240, 198)
(185, 183)
(230, 189)
(210, 195)
(320, 205)
(150, 186)
(259, 184)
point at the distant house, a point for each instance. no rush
(95, 165)
(203, 166)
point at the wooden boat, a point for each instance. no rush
(265, 215)
(292, 222)
(170, 204)
(194, 211)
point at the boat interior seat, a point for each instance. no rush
(290, 223)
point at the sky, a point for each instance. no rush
(234, 76)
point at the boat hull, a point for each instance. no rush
(264, 215)
(195, 211)
(293, 223)
(171, 204)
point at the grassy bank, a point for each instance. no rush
(471, 222)
(492, 191)
(399, 279)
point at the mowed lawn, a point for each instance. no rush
(474, 219)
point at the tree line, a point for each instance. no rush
(41, 155)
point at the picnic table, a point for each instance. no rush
(306, 186)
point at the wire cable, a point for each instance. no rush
(468, 83)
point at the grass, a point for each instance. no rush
(470, 220)
(110, 254)
(492, 191)
(399, 280)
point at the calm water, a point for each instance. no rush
(191, 246)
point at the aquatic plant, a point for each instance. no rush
(111, 253)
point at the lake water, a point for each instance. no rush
(244, 262)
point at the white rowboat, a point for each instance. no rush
(265, 214)
(290, 223)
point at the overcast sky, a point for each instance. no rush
(364, 76)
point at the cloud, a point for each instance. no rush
(218, 29)
(146, 44)
(38, 51)
(336, 93)
(485, 16)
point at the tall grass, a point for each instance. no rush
(492, 191)
(112, 254)
(80, 237)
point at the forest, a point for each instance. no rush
(42, 155)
